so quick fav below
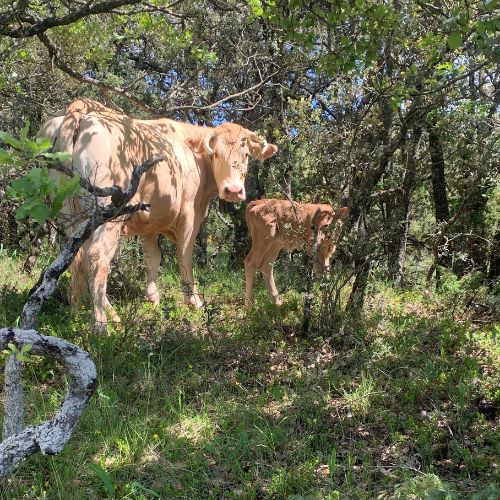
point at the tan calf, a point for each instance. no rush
(277, 224)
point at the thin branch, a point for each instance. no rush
(57, 61)
(224, 99)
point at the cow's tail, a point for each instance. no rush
(78, 284)
(67, 138)
(70, 127)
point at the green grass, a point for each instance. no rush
(219, 404)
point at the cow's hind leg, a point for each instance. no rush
(100, 252)
(152, 256)
(266, 268)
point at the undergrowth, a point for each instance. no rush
(221, 404)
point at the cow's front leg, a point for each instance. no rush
(152, 257)
(185, 247)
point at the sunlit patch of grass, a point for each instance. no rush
(196, 429)
(359, 399)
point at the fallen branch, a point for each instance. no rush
(51, 436)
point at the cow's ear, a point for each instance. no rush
(268, 151)
(201, 144)
(261, 152)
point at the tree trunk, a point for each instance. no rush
(440, 196)
(399, 216)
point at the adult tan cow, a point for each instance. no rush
(277, 224)
(200, 164)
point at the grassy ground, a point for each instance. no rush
(217, 404)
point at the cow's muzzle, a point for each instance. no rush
(233, 192)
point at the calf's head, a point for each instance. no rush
(230, 146)
(329, 224)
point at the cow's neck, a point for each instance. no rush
(210, 191)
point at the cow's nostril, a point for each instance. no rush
(233, 190)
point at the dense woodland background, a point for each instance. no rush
(390, 109)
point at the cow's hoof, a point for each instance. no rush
(194, 302)
(278, 301)
(100, 327)
(154, 298)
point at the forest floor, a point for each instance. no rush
(220, 404)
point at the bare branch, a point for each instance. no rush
(224, 99)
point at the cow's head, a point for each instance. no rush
(230, 146)
(329, 224)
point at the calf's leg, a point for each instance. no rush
(266, 268)
(250, 269)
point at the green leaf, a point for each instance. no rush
(5, 156)
(44, 142)
(40, 212)
(67, 188)
(61, 156)
(455, 40)
(104, 477)
(395, 103)
(24, 131)
(10, 140)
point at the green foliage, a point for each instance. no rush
(107, 483)
(21, 354)
(41, 197)
(35, 188)
(25, 149)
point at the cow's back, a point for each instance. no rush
(105, 148)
